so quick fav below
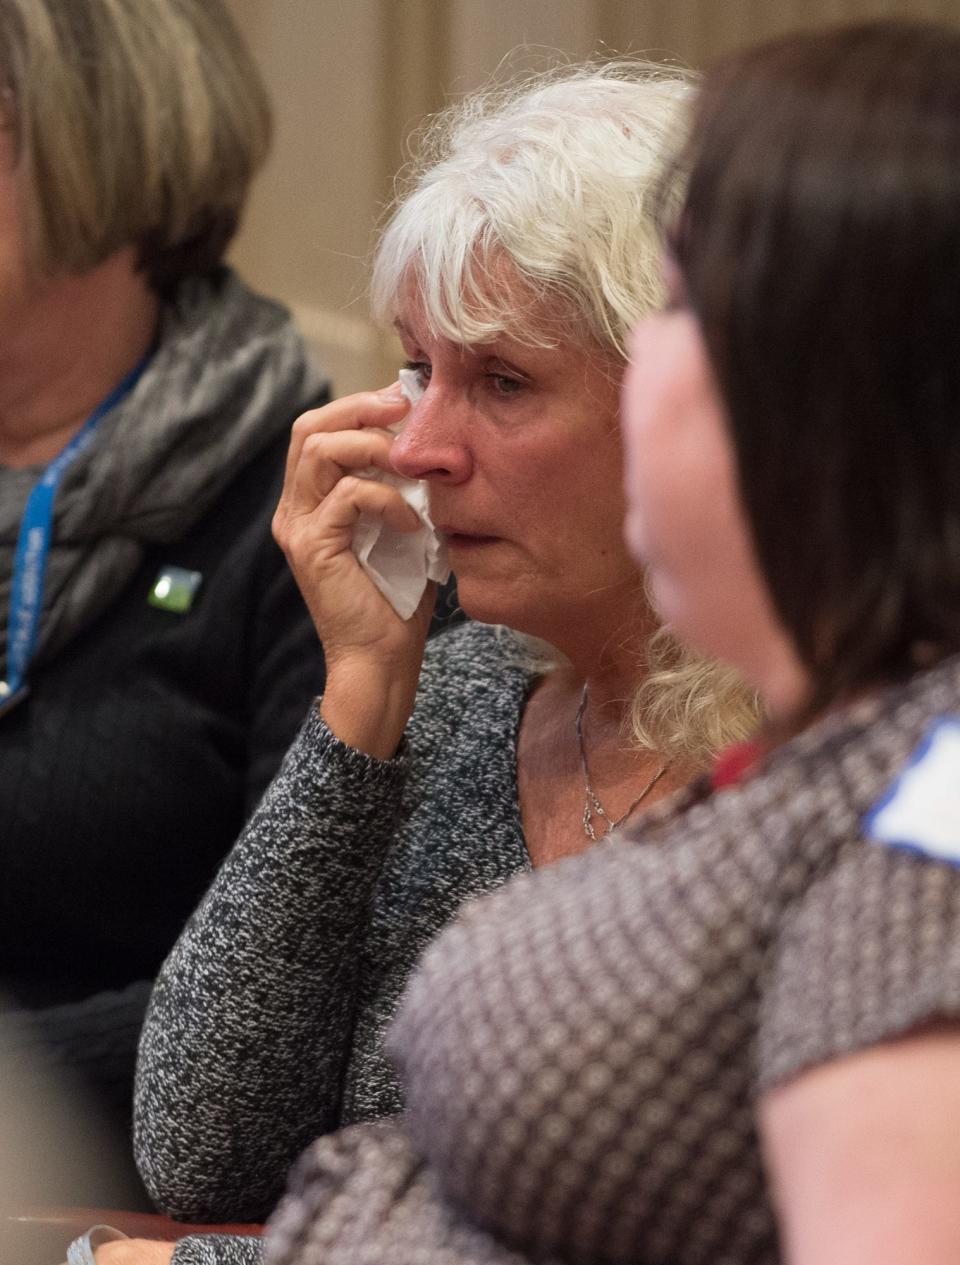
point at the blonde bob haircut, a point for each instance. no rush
(133, 123)
(559, 177)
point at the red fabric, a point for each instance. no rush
(734, 764)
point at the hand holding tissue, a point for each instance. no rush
(401, 564)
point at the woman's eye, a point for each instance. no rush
(503, 384)
(421, 369)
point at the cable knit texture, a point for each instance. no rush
(582, 1052)
(267, 1020)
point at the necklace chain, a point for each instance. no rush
(593, 810)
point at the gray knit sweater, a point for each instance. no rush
(267, 1020)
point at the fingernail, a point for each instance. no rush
(392, 392)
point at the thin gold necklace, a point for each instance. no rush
(592, 808)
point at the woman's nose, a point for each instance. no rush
(430, 445)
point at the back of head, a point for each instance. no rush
(132, 123)
(819, 243)
(555, 175)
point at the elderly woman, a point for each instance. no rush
(736, 1038)
(155, 657)
(512, 271)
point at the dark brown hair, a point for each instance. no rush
(820, 247)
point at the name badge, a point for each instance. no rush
(921, 810)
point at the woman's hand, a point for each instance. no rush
(372, 656)
(134, 1252)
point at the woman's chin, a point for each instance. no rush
(484, 609)
(491, 602)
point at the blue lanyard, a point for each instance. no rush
(33, 541)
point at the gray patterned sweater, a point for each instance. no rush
(267, 1020)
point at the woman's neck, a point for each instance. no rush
(605, 650)
(562, 759)
(79, 337)
(575, 729)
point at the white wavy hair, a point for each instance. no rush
(559, 176)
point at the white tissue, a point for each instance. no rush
(401, 563)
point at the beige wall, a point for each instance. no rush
(350, 78)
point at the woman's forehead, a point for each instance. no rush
(495, 305)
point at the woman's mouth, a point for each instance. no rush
(468, 540)
(458, 537)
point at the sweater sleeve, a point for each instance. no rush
(249, 1028)
(218, 1249)
(870, 951)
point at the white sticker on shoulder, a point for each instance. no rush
(921, 810)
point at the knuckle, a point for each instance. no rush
(312, 444)
(305, 423)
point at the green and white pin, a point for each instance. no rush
(174, 589)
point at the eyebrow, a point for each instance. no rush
(486, 351)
